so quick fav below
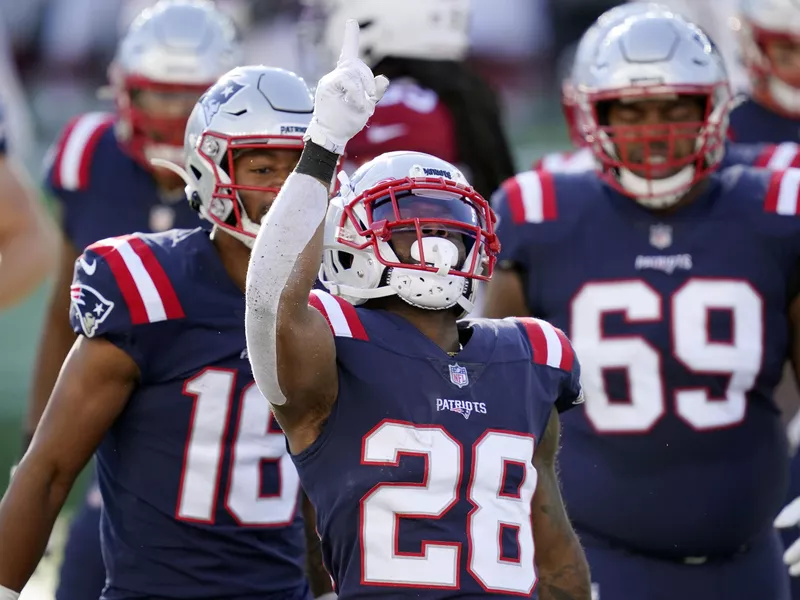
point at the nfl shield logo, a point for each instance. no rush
(458, 375)
(660, 236)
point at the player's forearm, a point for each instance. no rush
(26, 259)
(56, 340)
(283, 267)
(27, 514)
(568, 577)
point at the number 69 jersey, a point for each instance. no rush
(681, 324)
(200, 495)
(422, 477)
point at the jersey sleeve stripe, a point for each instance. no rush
(550, 346)
(74, 156)
(771, 197)
(531, 197)
(167, 294)
(353, 321)
(783, 157)
(567, 353)
(782, 195)
(341, 315)
(124, 278)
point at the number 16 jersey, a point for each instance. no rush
(201, 499)
(681, 324)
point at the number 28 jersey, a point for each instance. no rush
(201, 499)
(423, 474)
(681, 325)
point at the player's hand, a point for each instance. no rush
(345, 98)
(790, 517)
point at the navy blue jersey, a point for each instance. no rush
(102, 191)
(752, 123)
(200, 495)
(422, 477)
(681, 325)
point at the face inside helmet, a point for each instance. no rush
(154, 117)
(412, 214)
(249, 173)
(656, 133)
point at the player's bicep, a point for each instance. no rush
(93, 387)
(306, 358)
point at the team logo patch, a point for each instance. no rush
(462, 407)
(90, 306)
(660, 236)
(218, 95)
(458, 375)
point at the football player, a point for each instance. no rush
(770, 49)
(28, 240)
(773, 156)
(200, 498)
(436, 103)
(678, 285)
(426, 445)
(105, 186)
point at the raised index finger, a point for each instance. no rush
(350, 42)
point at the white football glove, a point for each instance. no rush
(790, 517)
(345, 98)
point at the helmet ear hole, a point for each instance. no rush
(345, 259)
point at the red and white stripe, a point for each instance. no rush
(531, 197)
(73, 159)
(550, 346)
(780, 157)
(340, 314)
(142, 280)
(783, 191)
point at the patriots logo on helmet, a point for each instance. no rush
(218, 95)
(90, 307)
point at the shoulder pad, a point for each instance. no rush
(342, 317)
(549, 345)
(529, 197)
(121, 276)
(73, 152)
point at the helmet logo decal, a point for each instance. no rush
(218, 95)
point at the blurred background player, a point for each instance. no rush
(773, 156)
(436, 103)
(28, 241)
(105, 186)
(200, 497)
(770, 49)
(678, 285)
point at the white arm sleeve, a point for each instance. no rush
(287, 229)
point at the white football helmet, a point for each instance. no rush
(172, 47)
(249, 107)
(408, 224)
(426, 29)
(584, 57)
(654, 55)
(762, 21)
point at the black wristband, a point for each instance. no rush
(317, 162)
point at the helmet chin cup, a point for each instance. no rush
(427, 290)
